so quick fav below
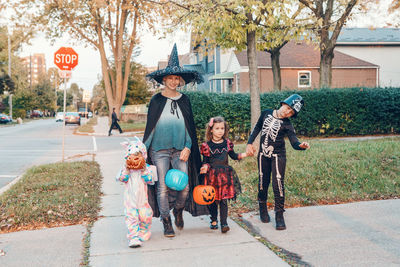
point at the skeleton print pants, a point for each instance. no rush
(274, 165)
(138, 222)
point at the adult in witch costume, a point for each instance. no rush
(170, 137)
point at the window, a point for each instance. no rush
(304, 79)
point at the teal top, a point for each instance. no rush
(170, 130)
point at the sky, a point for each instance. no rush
(153, 49)
(88, 71)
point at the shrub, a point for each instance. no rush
(327, 112)
(19, 113)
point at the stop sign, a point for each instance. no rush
(65, 58)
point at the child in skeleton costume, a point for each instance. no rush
(136, 174)
(217, 171)
(274, 125)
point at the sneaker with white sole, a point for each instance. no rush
(134, 243)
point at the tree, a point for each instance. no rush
(138, 89)
(330, 17)
(17, 38)
(6, 84)
(286, 27)
(99, 98)
(106, 25)
(240, 24)
(44, 96)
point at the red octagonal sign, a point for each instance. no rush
(65, 58)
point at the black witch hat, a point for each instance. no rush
(173, 68)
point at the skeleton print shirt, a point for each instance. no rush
(273, 131)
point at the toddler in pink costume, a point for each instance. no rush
(136, 174)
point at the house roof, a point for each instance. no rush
(197, 67)
(222, 76)
(368, 36)
(303, 55)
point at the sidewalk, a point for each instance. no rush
(102, 127)
(356, 234)
(195, 245)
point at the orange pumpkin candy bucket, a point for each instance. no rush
(204, 194)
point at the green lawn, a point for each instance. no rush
(52, 195)
(330, 172)
(132, 126)
(88, 127)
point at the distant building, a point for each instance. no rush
(36, 66)
(299, 64)
(379, 46)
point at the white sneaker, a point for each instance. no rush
(134, 243)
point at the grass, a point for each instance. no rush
(330, 172)
(52, 195)
(88, 127)
(132, 126)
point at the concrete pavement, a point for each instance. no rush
(61, 246)
(355, 234)
(102, 128)
(195, 245)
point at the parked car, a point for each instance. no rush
(72, 118)
(36, 114)
(60, 116)
(90, 114)
(5, 118)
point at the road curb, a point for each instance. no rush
(8, 186)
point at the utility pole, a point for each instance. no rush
(30, 72)
(9, 70)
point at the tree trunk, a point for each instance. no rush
(253, 74)
(325, 69)
(276, 69)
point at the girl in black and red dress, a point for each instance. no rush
(217, 171)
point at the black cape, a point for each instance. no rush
(156, 107)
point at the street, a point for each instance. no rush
(35, 143)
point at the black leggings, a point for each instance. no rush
(276, 166)
(223, 210)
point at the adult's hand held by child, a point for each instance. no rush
(203, 169)
(185, 153)
(304, 145)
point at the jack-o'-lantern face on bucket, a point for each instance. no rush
(204, 194)
(135, 161)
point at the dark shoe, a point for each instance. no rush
(264, 216)
(224, 228)
(178, 218)
(214, 225)
(109, 134)
(280, 221)
(168, 230)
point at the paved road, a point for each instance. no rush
(35, 143)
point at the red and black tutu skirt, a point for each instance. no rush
(225, 181)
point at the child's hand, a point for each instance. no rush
(250, 150)
(304, 145)
(203, 169)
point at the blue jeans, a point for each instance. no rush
(162, 159)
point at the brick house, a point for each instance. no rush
(300, 69)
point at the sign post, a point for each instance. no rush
(65, 59)
(86, 99)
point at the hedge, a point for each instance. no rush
(327, 112)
